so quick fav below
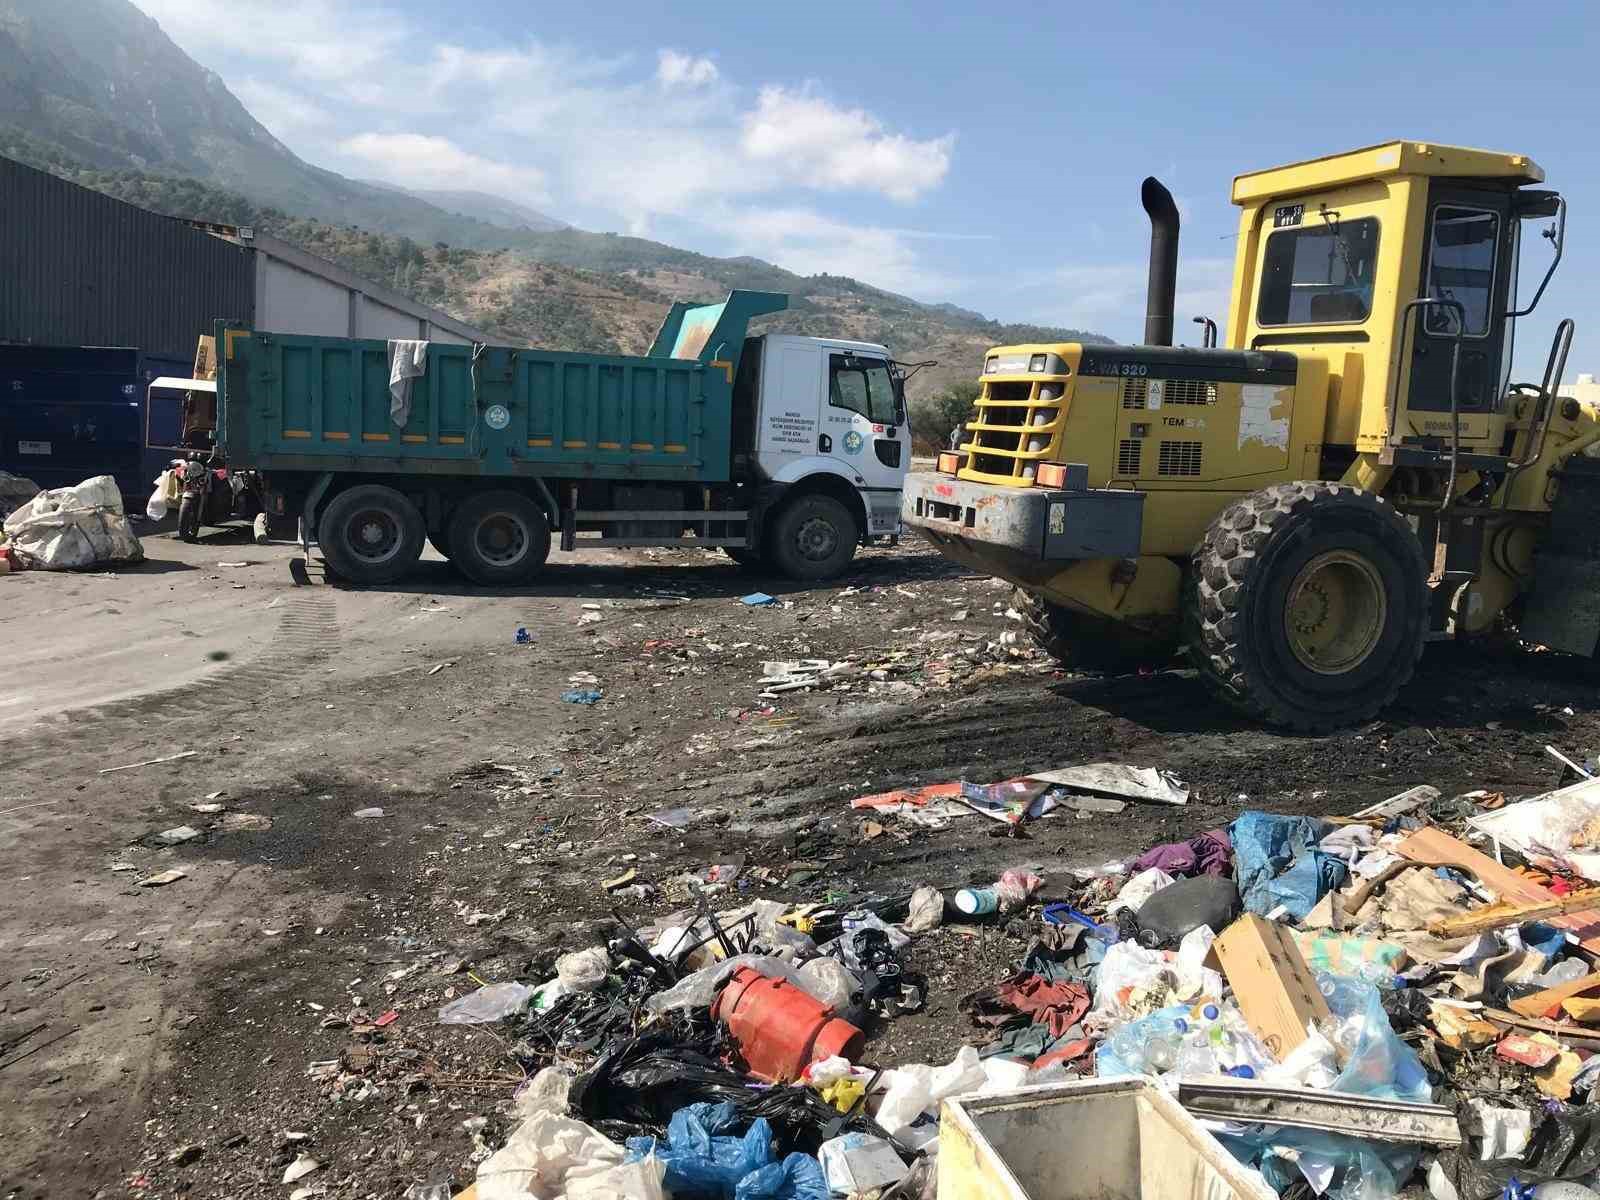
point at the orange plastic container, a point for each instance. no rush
(779, 1029)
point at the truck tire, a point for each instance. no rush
(370, 534)
(813, 538)
(499, 538)
(189, 517)
(1306, 605)
(1084, 643)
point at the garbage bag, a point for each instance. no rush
(492, 1002)
(542, 1156)
(911, 1090)
(584, 970)
(926, 910)
(1565, 1145)
(1140, 888)
(797, 1177)
(72, 527)
(700, 989)
(830, 982)
(1276, 862)
(1185, 906)
(700, 1158)
(1132, 981)
(1378, 1064)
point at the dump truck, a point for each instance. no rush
(1352, 474)
(785, 451)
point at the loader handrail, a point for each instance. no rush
(1555, 366)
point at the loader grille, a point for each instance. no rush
(1016, 428)
(1130, 458)
(1178, 458)
(1153, 393)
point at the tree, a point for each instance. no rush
(933, 417)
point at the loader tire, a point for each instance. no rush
(1083, 643)
(1306, 605)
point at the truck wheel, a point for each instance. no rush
(189, 517)
(813, 538)
(370, 534)
(1084, 643)
(1306, 605)
(499, 538)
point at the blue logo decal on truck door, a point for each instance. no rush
(853, 441)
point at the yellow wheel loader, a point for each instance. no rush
(1353, 475)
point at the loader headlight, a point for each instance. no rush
(1036, 363)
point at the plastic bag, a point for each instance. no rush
(1014, 887)
(1379, 1064)
(699, 1158)
(910, 1091)
(1132, 981)
(831, 982)
(926, 911)
(545, 1092)
(493, 1002)
(700, 989)
(1276, 862)
(541, 1154)
(156, 507)
(1139, 889)
(583, 970)
(797, 1177)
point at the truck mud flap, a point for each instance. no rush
(1563, 609)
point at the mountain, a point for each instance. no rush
(492, 210)
(94, 91)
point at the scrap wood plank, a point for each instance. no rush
(1539, 1004)
(1589, 1039)
(1435, 845)
(1585, 1010)
(1500, 915)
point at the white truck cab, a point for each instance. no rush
(830, 416)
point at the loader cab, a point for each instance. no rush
(1398, 265)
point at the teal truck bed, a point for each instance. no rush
(289, 402)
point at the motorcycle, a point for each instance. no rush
(213, 495)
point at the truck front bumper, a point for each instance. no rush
(1014, 532)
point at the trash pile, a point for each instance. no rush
(1349, 1006)
(70, 528)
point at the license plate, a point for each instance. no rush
(33, 447)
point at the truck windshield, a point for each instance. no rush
(862, 385)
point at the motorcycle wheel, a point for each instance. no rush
(189, 517)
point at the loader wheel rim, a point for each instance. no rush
(501, 540)
(1335, 612)
(373, 535)
(816, 539)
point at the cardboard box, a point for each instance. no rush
(1276, 990)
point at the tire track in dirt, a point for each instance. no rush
(307, 633)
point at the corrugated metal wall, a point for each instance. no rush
(78, 268)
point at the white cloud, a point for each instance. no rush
(815, 141)
(417, 160)
(632, 142)
(674, 70)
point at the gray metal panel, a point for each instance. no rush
(78, 268)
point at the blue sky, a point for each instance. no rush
(987, 158)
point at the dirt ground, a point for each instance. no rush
(195, 1038)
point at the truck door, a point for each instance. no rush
(862, 424)
(1467, 259)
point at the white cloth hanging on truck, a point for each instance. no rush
(408, 358)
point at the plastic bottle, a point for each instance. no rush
(976, 902)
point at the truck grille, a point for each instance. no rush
(1136, 392)
(1178, 458)
(1130, 458)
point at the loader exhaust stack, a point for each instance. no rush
(1161, 293)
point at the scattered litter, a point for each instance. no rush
(300, 1168)
(162, 879)
(494, 1002)
(368, 813)
(149, 762)
(206, 809)
(177, 835)
(524, 638)
(577, 696)
(758, 599)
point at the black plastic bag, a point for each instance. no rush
(1564, 1145)
(1186, 905)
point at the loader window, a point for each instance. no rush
(1319, 274)
(862, 385)
(1461, 267)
